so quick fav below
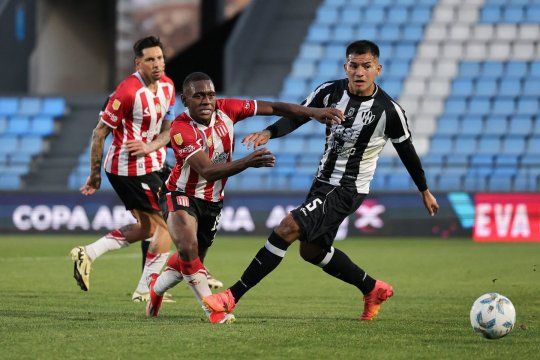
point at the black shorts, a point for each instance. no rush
(323, 211)
(207, 214)
(139, 192)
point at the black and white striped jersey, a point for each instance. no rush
(352, 148)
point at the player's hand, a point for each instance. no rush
(137, 148)
(93, 183)
(430, 202)
(329, 116)
(260, 158)
(256, 139)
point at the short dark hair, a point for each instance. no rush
(147, 42)
(194, 76)
(362, 47)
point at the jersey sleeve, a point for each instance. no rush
(317, 97)
(397, 128)
(170, 115)
(185, 140)
(118, 107)
(237, 109)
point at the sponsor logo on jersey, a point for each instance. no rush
(178, 139)
(111, 116)
(220, 158)
(116, 104)
(187, 149)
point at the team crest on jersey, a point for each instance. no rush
(221, 130)
(366, 117)
(116, 104)
(178, 139)
(209, 141)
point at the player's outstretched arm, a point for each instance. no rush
(326, 115)
(200, 162)
(409, 158)
(140, 148)
(93, 182)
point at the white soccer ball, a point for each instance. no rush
(493, 316)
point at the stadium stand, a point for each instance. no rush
(25, 125)
(466, 72)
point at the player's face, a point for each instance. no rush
(362, 70)
(151, 65)
(200, 99)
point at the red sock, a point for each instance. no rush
(191, 267)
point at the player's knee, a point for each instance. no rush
(288, 229)
(312, 254)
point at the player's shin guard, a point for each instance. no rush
(170, 277)
(266, 260)
(339, 265)
(153, 265)
(195, 275)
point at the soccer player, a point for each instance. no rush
(138, 115)
(203, 140)
(342, 181)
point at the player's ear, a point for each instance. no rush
(183, 98)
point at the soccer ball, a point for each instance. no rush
(493, 316)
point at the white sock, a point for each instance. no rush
(153, 264)
(168, 279)
(199, 284)
(112, 241)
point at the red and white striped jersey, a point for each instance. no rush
(134, 112)
(216, 140)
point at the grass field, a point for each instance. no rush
(297, 312)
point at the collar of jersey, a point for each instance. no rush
(136, 73)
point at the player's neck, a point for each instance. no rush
(368, 92)
(150, 83)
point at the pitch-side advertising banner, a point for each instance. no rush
(507, 217)
(250, 214)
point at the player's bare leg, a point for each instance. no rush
(266, 260)
(183, 229)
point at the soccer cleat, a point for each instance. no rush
(213, 282)
(154, 300)
(143, 297)
(140, 297)
(220, 302)
(372, 301)
(216, 317)
(81, 267)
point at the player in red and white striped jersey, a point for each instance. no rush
(138, 114)
(203, 141)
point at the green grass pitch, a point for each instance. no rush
(298, 312)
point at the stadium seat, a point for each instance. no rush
(465, 145)
(18, 125)
(42, 125)
(53, 107)
(31, 144)
(489, 145)
(472, 125)
(9, 181)
(9, 106)
(30, 106)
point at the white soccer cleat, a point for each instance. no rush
(144, 297)
(213, 283)
(81, 267)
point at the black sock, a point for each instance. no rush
(341, 267)
(266, 260)
(144, 249)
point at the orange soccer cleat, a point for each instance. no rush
(372, 301)
(216, 317)
(220, 302)
(154, 301)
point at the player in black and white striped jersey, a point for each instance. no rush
(347, 166)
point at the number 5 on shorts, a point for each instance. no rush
(313, 205)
